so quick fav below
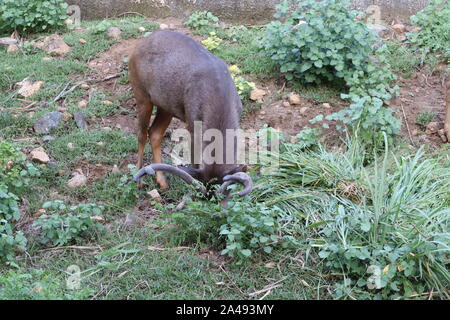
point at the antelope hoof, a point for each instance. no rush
(161, 181)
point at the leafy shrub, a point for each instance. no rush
(322, 41)
(434, 24)
(62, 224)
(31, 16)
(202, 22)
(318, 41)
(245, 227)
(15, 173)
(243, 86)
(212, 42)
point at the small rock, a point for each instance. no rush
(82, 104)
(294, 99)
(12, 48)
(113, 33)
(106, 128)
(257, 95)
(80, 119)
(141, 29)
(47, 122)
(432, 128)
(67, 116)
(154, 194)
(442, 135)
(47, 59)
(115, 169)
(101, 144)
(48, 138)
(303, 110)
(39, 155)
(263, 112)
(70, 146)
(286, 104)
(82, 41)
(401, 37)
(163, 26)
(326, 105)
(52, 164)
(97, 219)
(379, 29)
(28, 88)
(107, 103)
(133, 221)
(40, 212)
(85, 86)
(54, 45)
(77, 180)
(400, 28)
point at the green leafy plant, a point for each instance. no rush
(243, 86)
(424, 118)
(434, 28)
(31, 16)
(323, 41)
(62, 224)
(212, 42)
(202, 22)
(241, 229)
(15, 174)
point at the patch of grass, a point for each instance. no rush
(95, 35)
(14, 124)
(37, 284)
(116, 192)
(127, 269)
(243, 50)
(116, 146)
(54, 73)
(424, 118)
(402, 59)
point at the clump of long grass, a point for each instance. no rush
(384, 226)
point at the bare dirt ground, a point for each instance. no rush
(421, 93)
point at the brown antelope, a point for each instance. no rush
(184, 80)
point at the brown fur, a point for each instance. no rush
(173, 72)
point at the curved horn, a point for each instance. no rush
(151, 170)
(239, 177)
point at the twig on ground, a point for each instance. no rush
(407, 126)
(151, 248)
(66, 91)
(74, 247)
(267, 288)
(132, 12)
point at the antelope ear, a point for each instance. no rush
(195, 173)
(242, 168)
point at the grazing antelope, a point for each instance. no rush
(173, 72)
